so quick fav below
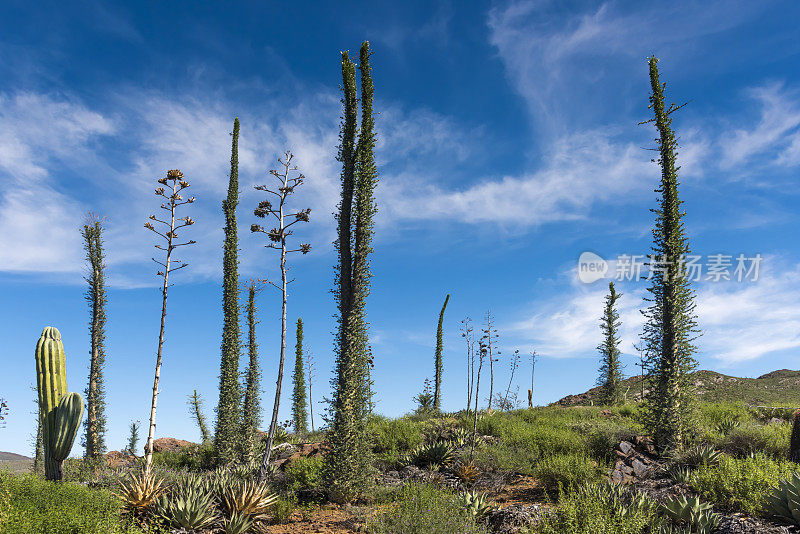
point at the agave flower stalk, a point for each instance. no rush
(287, 182)
(171, 187)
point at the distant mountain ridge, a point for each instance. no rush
(12, 457)
(777, 388)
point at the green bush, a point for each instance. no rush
(304, 473)
(741, 483)
(283, 509)
(770, 439)
(29, 505)
(394, 435)
(424, 509)
(587, 512)
(193, 458)
(566, 471)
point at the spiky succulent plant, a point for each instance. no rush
(190, 504)
(784, 500)
(697, 514)
(138, 492)
(476, 504)
(248, 498)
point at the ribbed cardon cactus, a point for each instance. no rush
(61, 412)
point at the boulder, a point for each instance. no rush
(514, 518)
(170, 444)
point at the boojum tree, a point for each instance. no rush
(170, 189)
(227, 437)
(195, 403)
(288, 179)
(437, 390)
(251, 408)
(94, 438)
(299, 408)
(670, 322)
(610, 377)
(347, 470)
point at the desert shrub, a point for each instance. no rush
(527, 436)
(589, 511)
(394, 435)
(741, 483)
(566, 471)
(712, 414)
(283, 509)
(771, 439)
(31, 504)
(304, 473)
(192, 457)
(425, 508)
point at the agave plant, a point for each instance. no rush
(439, 454)
(245, 470)
(237, 523)
(475, 504)
(727, 425)
(697, 514)
(467, 473)
(460, 437)
(139, 492)
(618, 499)
(190, 505)
(680, 473)
(701, 455)
(784, 501)
(247, 498)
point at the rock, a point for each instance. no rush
(626, 447)
(514, 518)
(116, 459)
(645, 444)
(170, 445)
(410, 472)
(627, 470)
(305, 450)
(618, 477)
(776, 421)
(639, 468)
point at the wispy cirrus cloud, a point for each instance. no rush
(776, 133)
(38, 217)
(739, 321)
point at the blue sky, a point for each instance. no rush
(508, 145)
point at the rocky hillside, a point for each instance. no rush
(16, 463)
(778, 388)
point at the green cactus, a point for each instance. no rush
(61, 412)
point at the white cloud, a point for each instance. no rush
(579, 171)
(776, 131)
(40, 135)
(744, 321)
(739, 320)
(569, 65)
(568, 326)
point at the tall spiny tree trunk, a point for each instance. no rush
(94, 439)
(299, 415)
(437, 393)
(227, 439)
(251, 414)
(309, 365)
(195, 402)
(610, 378)
(670, 328)
(348, 470)
(175, 182)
